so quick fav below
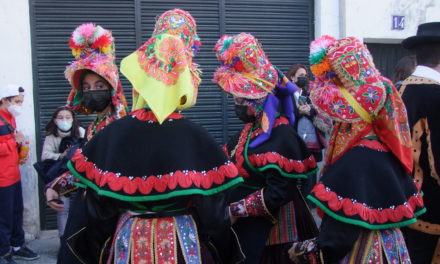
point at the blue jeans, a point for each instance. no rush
(11, 218)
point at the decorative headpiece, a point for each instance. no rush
(93, 48)
(245, 70)
(161, 70)
(247, 73)
(350, 89)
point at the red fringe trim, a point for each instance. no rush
(242, 141)
(225, 150)
(288, 165)
(147, 115)
(146, 184)
(370, 215)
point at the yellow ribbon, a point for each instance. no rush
(258, 81)
(356, 106)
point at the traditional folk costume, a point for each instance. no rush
(365, 191)
(421, 94)
(154, 179)
(93, 49)
(268, 153)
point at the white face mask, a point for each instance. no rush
(64, 125)
(15, 110)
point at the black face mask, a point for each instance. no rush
(302, 82)
(242, 113)
(97, 100)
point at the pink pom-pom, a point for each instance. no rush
(318, 48)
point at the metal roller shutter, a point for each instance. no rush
(285, 28)
(386, 56)
(52, 23)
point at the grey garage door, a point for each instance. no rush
(284, 27)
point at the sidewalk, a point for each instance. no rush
(46, 246)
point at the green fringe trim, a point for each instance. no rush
(362, 223)
(155, 197)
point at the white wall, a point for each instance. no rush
(372, 19)
(16, 67)
(327, 18)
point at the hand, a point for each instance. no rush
(292, 255)
(51, 196)
(62, 155)
(304, 109)
(19, 137)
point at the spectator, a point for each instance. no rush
(63, 127)
(421, 94)
(404, 68)
(307, 119)
(12, 242)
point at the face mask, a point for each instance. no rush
(14, 109)
(302, 82)
(97, 100)
(242, 113)
(64, 125)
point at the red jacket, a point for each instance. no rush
(9, 171)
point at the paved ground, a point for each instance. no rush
(46, 246)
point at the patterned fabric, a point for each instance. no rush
(63, 184)
(251, 206)
(161, 70)
(99, 123)
(378, 247)
(123, 243)
(349, 89)
(143, 250)
(165, 240)
(94, 50)
(187, 233)
(153, 240)
(284, 230)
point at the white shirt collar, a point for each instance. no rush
(426, 72)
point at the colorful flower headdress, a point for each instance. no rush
(93, 48)
(350, 89)
(245, 72)
(347, 85)
(161, 71)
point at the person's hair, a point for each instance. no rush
(404, 67)
(428, 54)
(293, 69)
(52, 129)
(9, 98)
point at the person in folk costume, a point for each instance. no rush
(421, 94)
(268, 153)
(96, 88)
(365, 191)
(155, 179)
